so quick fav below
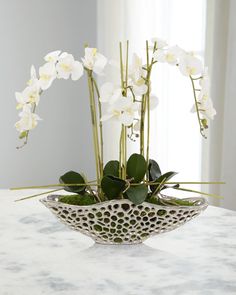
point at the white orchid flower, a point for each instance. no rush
(136, 76)
(28, 119)
(170, 55)
(77, 71)
(207, 108)
(47, 74)
(21, 100)
(29, 95)
(67, 66)
(190, 65)
(204, 82)
(94, 61)
(123, 111)
(136, 70)
(160, 43)
(33, 77)
(205, 105)
(110, 92)
(52, 56)
(140, 89)
(154, 100)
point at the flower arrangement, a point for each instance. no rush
(129, 103)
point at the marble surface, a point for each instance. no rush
(39, 255)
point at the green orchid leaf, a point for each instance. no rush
(166, 176)
(137, 194)
(154, 200)
(170, 186)
(112, 186)
(70, 178)
(136, 167)
(154, 172)
(112, 168)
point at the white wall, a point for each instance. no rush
(62, 141)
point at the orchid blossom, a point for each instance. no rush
(94, 61)
(67, 66)
(122, 111)
(28, 119)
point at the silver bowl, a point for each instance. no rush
(122, 222)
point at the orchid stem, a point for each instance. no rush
(100, 127)
(93, 183)
(196, 106)
(198, 192)
(94, 124)
(126, 85)
(36, 195)
(122, 140)
(148, 108)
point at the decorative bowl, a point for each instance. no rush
(122, 222)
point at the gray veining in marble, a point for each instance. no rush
(39, 255)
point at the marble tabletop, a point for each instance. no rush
(39, 255)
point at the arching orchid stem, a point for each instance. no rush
(21, 146)
(197, 109)
(27, 132)
(198, 78)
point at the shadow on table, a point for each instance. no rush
(141, 253)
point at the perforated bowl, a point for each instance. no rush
(122, 222)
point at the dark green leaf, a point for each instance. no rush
(165, 176)
(171, 186)
(137, 194)
(153, 200)
(136, 167)
(111, 168)
(70, 178)
(112, 186)
(154, 172)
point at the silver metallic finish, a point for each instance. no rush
(122, 222)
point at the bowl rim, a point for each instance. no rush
(54, 199)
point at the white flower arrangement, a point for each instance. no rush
(128, 102)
